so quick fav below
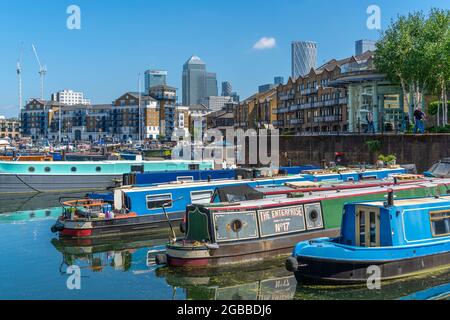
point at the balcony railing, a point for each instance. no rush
(278, 123)
(284, 97)
(297, 121)
(330, 118)
(309, 90)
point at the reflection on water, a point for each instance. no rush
(34, 265)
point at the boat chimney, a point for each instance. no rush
(390, 198)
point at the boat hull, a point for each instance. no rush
(335, 271)
(117, 227)
(19, 184)
(244, 252)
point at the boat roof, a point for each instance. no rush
(409, 202)
(100, 162)
(324, 195)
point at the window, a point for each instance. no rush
(185, 179)
(98, 169)
(201, 197)
(157, 201)
(73, 169)
(47, 169)
(31, 169)
(440, 223)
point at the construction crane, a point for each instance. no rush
(42, 71)
(19, 76)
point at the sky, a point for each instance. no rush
(246, 42)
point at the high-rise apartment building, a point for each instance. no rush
(155, 78)
(364, 45)
(70, 97)
(303, 57)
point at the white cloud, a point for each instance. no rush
(265, 43)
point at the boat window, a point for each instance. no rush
(367, 227)
(201, 197)
(194, 167)
(137, 168)
(47, 169)
(73, 169)
(157, 201)
(98, 169)
(31, 169)
(185, 179)
(236, 197)
(440, 223)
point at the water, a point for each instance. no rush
(33, 265)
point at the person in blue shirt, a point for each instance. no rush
(419, 116)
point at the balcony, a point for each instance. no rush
(278, 123)
(307, 105)
(331, 118)
(296, 121)
(284, 97)
(294, 107)
(343, 101)
(283, 110)
(308, 91)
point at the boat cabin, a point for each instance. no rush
(396, 223)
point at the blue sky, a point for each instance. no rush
(119, 39)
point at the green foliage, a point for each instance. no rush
(389, 159)
(373, 145)
(433, 107)
(440, 129)
(414, 51)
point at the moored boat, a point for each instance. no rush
(143, 209)
(387, 239)
(65, 176)
(242, 230)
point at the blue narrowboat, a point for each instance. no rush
(394, 239)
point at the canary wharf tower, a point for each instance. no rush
(304, 57)
(194, 81)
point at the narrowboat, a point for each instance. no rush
(67, 176)
(251, 228)
(393, 238)
(143, 209)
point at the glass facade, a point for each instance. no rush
(304, 57)
(155, 78)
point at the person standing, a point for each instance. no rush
(419, 116)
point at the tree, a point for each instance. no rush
(414, 52)
(437, 33)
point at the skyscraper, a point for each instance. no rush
(278, 80)
(364, 45)
(155, 78)
(227, 89)
(194, 81)
(211, 85)
(303, 56)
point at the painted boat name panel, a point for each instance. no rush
(281, 220)
(235, 226)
